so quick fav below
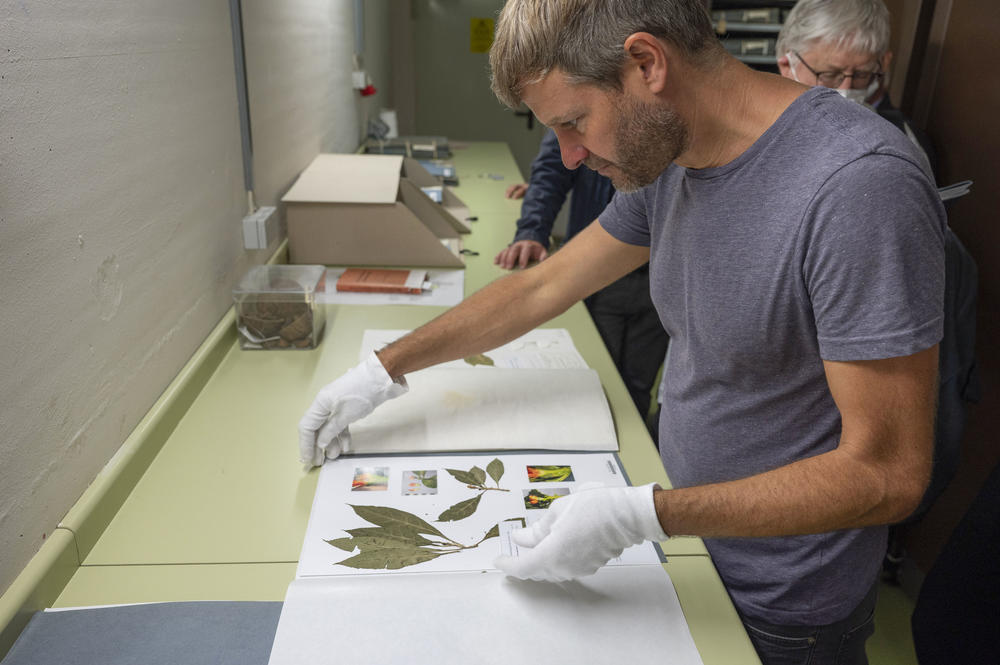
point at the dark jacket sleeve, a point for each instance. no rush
(896, 117)
(548, 186)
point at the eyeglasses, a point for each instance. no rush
(859, 79)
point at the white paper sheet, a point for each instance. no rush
(543, 348)
(623, 614)
(339, 487)
(448, 410)
(448, 289)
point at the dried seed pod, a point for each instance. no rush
(300, 327)
(260, 326)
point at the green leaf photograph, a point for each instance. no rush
(535, 500)
(541, 473)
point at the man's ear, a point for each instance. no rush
(648, 57)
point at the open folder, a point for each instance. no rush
(395, 568)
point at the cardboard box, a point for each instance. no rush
(359, 210)
(415, 172)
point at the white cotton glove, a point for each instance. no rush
(582, 532)
(323, 432)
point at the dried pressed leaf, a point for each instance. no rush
(494, 532)
(480, 359)
(408, 535)
(460, 510)
(390, 558)
(479, 475)
(366, 543)
(394, 518)
(495, 469)
(346, 544)
(466, 477)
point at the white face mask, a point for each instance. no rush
(859, 96)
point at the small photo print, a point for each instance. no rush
(539, 473)
(370, 479)
(420, 482)
(535, 500)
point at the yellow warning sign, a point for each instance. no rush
(480, 35)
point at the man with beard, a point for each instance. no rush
(796, 260)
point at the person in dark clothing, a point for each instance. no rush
(955, 618)
(623, 311)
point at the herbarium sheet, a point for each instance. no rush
(433, 513)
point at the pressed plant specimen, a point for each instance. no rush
(474, 478)
(480, 359)
(398, 539)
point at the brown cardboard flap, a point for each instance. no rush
(337, 178)
(415, 172)
(366, 234)
(437, 219)
(455, 206)
(457, 211)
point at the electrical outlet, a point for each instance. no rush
(260, 228)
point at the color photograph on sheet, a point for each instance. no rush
(440, 513)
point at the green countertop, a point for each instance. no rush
(227, 487)
(221, 511)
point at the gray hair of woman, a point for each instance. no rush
(858, 26)
(585, 39)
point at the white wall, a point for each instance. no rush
(121, 195)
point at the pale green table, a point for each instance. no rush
(221, 510)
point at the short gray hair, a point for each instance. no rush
(586, 39)
(861, 26)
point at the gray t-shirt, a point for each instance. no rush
(822, 241)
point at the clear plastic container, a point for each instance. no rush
(276, 307)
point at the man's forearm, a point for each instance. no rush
(517, 303)
(823, 493)
(876, 475)
(494, 315)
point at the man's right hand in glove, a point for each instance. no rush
(323, 432)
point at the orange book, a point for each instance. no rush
(367, 280)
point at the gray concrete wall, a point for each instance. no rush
(451, 84)
(121, 195)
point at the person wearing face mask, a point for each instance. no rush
(845, 45)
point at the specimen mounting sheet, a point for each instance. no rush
(534, 393)
(441, 513)
(448, 410)
(622, 614)
(542, 348)
(455, 607)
